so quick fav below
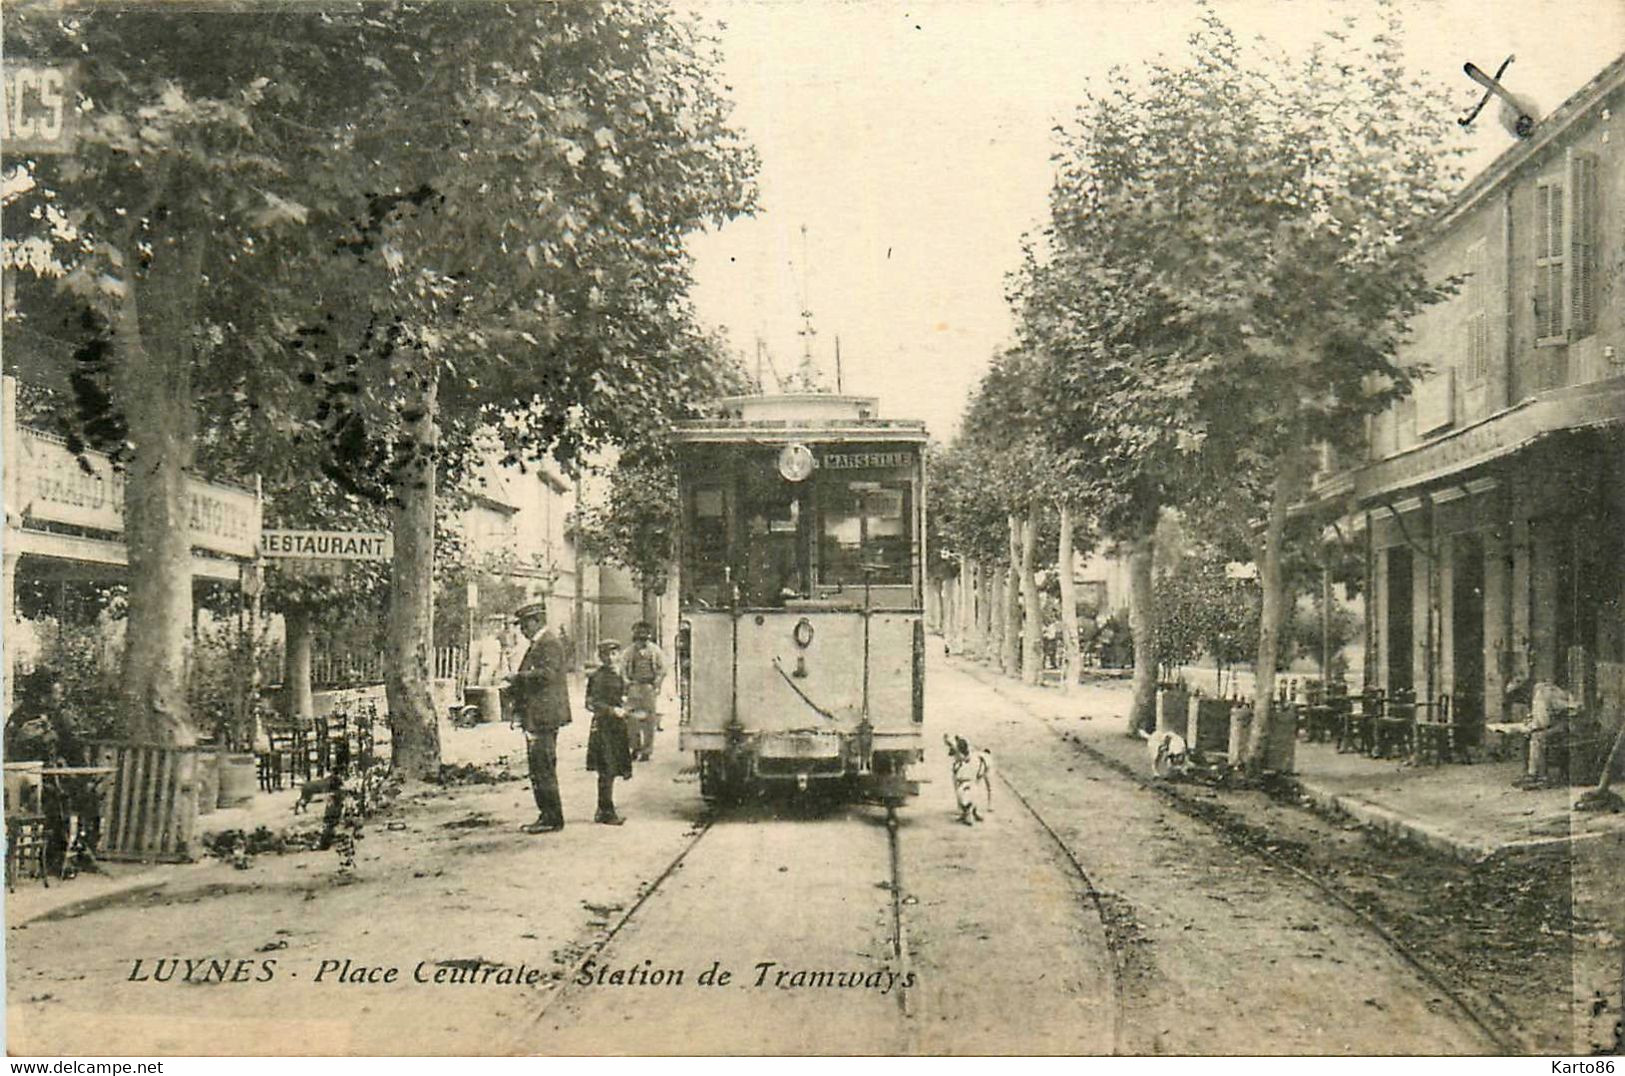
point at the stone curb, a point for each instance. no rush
(1374, 816)
(114, 894)
(1389, 822)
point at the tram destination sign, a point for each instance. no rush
(327, 545)
(856, 461)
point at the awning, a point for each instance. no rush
(1579, 407)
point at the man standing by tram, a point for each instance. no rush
(644, 668)
(541, 702)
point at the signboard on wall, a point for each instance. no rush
(40, 107)
(331, 545)
(54, 486)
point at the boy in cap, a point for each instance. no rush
(609, 747)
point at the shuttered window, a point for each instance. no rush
(1582, 252)
(1475, 350)
(1549, 305)
(1566, 215)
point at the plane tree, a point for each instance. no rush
(393, 224)
(1277, 204)
(974, 529)
(634, 521)
(1235, 240)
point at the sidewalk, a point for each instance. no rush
(492, 744)
(1467, 812)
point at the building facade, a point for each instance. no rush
(1491, 504)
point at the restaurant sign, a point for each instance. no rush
(327, 545)
(54, 486)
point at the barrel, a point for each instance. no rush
(208, 781)
(238, 780)
(488, 698)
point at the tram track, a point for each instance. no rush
(1503, 1044)
(1109, 931)
(1219, 820)
(596, 948)
(899, 900)
(718, 819)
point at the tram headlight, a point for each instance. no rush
(803, 633)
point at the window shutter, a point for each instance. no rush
(1475, 350)
(1582, 243)
(1551, 283)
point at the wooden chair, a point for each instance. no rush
(25, 849)
(1358, 729)
(278, 764)
(1435, 736)
(1396, 729)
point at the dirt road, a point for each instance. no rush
(1084, 916)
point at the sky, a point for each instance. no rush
(912, 141)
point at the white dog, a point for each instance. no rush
(1168, 754)
(970, 768)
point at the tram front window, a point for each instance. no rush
(707, 552)
(865, 525)
(773, 561)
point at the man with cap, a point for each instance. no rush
(644, 668)
(541, 702)
(609, 745)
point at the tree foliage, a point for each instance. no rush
(1232, 260)
(376, 229)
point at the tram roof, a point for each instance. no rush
(907, 431)
(782, 418)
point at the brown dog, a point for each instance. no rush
(317, 786)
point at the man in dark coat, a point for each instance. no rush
(541, 701)
(609, 744)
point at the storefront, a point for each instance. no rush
(64, 521)
(1495, 556)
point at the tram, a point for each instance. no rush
(801, 645)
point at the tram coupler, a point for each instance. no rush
(865, 741)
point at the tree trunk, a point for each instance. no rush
(1142, 622)
(1000, 613)
(984, 612)
(671, 620)
(651, 607)
(153, 328)
(1032, 646)
(1011, 655)
(298, 704)
(413, 722)
(1610, 764)
(964, 594)
(1069, 603)
(1272, 612)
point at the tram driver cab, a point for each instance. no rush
(801, 654)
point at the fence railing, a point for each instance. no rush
(353, 669)
(450, 663)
